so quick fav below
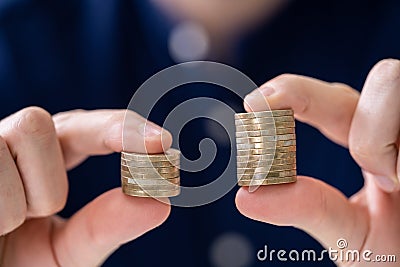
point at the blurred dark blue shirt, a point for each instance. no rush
(90, 54)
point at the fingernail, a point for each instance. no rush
(256, 100)
(386, 183)
(148, 130)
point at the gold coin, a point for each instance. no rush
(150, 193)
(257, 127)
(259, 163)
(150, 161)
(269, 125)
(134, 187)
(285, 149)
(263, 170)
(289, 153)
(149, 178)
(265, 176)
(281, 145)
(267, 113)
(265, 145)
(265, 151)
(269, 181)
(150, 169)
(137, 186)
(149, 175)
(147, 164)
(171, 181)
(170, 155)
(250, 152)
(265, 132)
(267, 169)
(263, 120)
(255, 145)
(262, 139)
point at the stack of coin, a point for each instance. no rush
(151, 175)
(266, 147)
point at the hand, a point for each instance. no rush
(35, 151)
(369, 125)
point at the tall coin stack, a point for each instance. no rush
(151, 175)
(266, 147)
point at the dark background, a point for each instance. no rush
(63, 55)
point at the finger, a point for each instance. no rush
(12, 196)
(33, 143)
(103, 225)
(86, 133)
(375, 128)
(328, 107)
(311, 205)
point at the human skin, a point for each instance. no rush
(368, 124)
(32, 190)
(36, 150)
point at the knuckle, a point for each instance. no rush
(360, 152)
(47, 208)
(12, 222)
(34, 121)
(287, 82)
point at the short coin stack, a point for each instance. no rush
(266, 147)
(151, 175)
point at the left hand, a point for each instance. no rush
(369, 125)
(36, 149)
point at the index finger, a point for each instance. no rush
(329, 107)
(99, 132)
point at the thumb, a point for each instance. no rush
(310, 205)
(99, 228)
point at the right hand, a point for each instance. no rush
(35, 152)
(369, 125)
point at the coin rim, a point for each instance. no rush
(276, 112)
(175, 153)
